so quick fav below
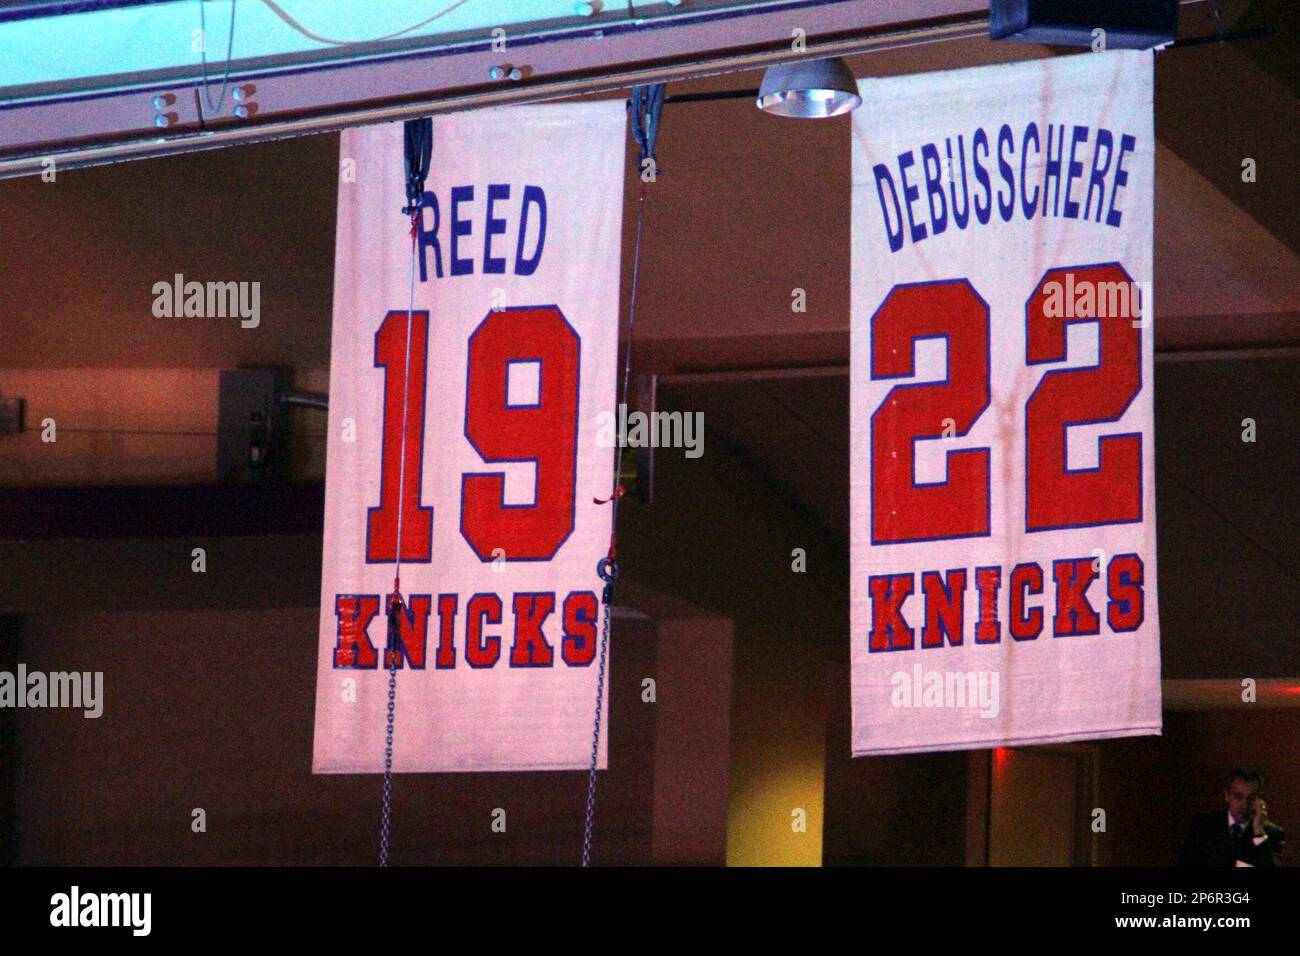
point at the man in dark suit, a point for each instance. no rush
(1241, 837)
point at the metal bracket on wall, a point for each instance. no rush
(639, 468)
(252, 423)
(11, 416)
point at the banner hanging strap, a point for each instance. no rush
(419, 149)
(646, 104)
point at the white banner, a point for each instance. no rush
(512, 361)
(1003, 496)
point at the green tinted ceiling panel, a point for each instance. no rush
(56, 48)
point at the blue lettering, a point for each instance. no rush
(429, 238)
(495, 227)
(934, 187)
(1052, 175)
(982, 214)
(910, 195)
(1097, 175)
(1074, 170)
(881, 172)
(1027, 204)
(1126, 145)
(1004, 141)
(962, 216)
(460, 227)
(534, 196)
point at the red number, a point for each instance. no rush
(902, 509)
(1057, 496)
(417, 521)
(545, 433)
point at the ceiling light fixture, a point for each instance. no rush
(814, 89)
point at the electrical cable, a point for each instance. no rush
(299, 28)
(203, 54)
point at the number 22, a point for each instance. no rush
(1056, 496)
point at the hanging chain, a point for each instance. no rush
(595, 733)
(388, 770)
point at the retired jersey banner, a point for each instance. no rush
(512, 361)
(1003, 499)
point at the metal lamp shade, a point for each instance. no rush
(810, 90)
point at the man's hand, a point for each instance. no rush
(1259, 818)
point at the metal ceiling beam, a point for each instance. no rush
(90, 131)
